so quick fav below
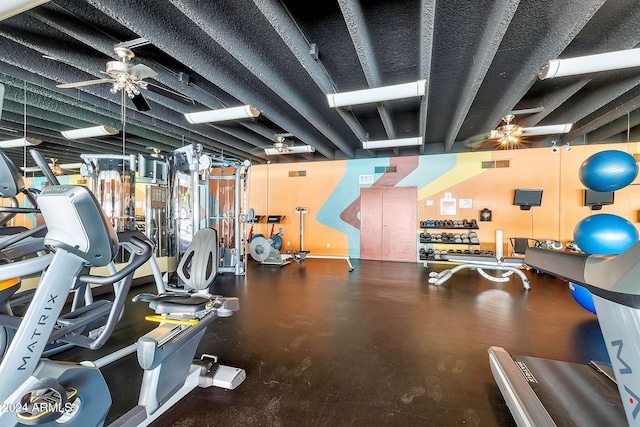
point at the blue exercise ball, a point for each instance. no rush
(605, 234)
(582, 297)
(608, 170)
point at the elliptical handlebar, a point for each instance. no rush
(21, 236)
(11, 209)
(138, 257)
(44, 167)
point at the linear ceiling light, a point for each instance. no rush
(391, 143)
(20, 142)
(8, 8)
(590, 64)
(378, 94)
(295, 149)
(234, 113)
(89, 132)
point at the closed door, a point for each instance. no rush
(388, 218)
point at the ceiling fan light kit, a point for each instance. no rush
(392, 143)
(90, 132)
(20, 142)
(379, 94)
(9, 8)
(223, 114)
(590, 64)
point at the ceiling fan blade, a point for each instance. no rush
(71, 166)
(85, 83)
(494, 134)
(141, 71)
(140, 103)
(476, 141)
(475, 145)
(547, 130)
(167, 93)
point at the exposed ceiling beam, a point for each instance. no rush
(487, 46)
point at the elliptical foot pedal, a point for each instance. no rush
(214, 374)
(46, 402)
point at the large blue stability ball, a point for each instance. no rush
(605, 234)
(608, 170)
(582, 297)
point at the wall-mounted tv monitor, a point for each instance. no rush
(526, 198)
(596, 199)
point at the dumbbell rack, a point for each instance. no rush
(469, 239)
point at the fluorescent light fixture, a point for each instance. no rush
(21, 142)
(8, 8)
(89, 132)
(378, 94)
(590, 64)
(295, 149)
(391, 143)
(234, 113)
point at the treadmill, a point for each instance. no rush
(542, 392)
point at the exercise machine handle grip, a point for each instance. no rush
(10, 209)
(138, 257)
(21, 236)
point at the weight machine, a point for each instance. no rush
(111, 178)
(209, 191)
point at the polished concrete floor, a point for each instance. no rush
(323, 346)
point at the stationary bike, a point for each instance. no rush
(37, 391)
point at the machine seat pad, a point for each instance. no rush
(179, 303)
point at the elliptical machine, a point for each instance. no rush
(37, 391)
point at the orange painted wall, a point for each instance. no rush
(272, 190)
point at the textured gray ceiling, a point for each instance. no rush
(480, 59)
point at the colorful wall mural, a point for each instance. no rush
(331, 191)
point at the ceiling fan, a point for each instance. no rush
(56, 168)
(511, 135)
(281, 146)
(129, 78)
